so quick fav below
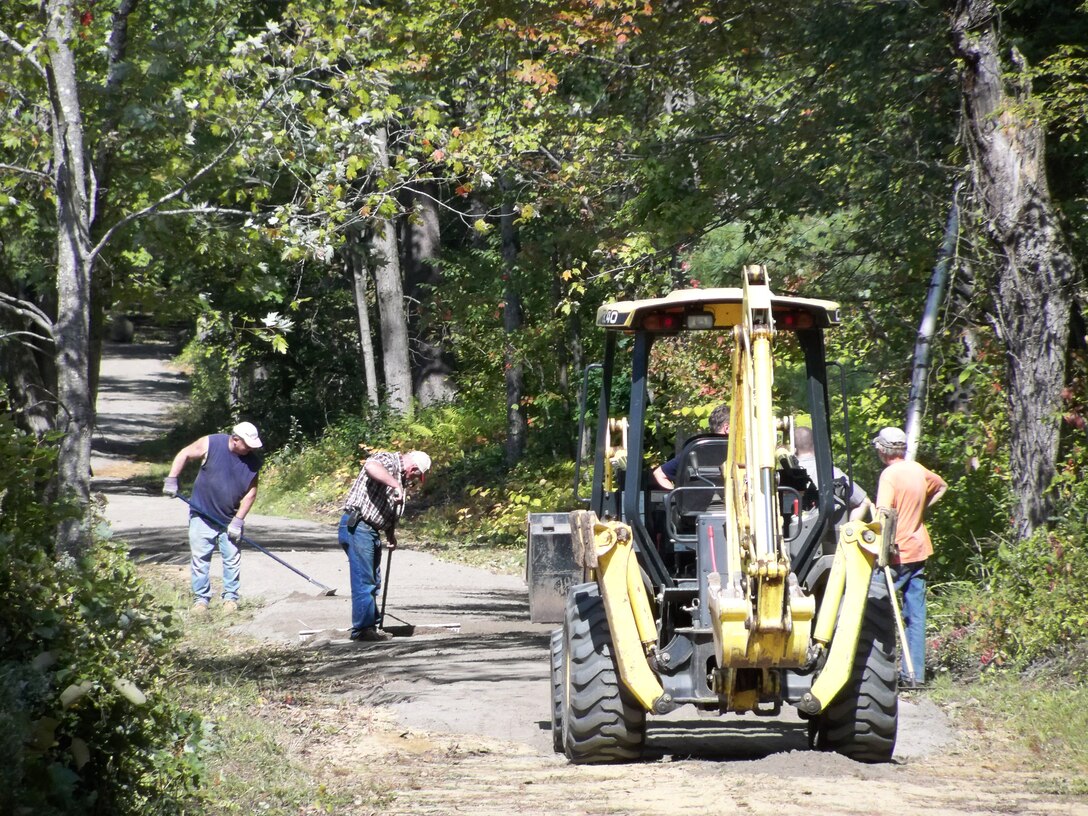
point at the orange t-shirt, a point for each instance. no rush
(907, 488)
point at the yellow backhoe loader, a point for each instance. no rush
(744, 587)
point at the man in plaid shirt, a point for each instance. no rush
(373, 505)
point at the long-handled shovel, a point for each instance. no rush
(219, 525)
(911, 677)
(385, 590)
(388, 565)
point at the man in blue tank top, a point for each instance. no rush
(225, 489)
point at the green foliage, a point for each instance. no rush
(87, 717)
(470, 498)
(1017, 605)
(300, 392)
(493, 509)
(303, 475)
(206, 367)
(456, 436)
(1029, 605)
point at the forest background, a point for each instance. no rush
(390, 225)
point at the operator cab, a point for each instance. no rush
(641, 337)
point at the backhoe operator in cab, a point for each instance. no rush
(665, 474)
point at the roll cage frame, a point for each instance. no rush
(704, 310)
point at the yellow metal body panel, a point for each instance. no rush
(729, 612)
(726, 304)
(630, 618)
(843, 609)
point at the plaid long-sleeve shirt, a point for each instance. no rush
(374, 499)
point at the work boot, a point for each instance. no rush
(230, 607)
(370, 633)
(199, 610)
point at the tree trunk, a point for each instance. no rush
(1036, 273)
(355, 253)
(570, 352)
(961, 297)
(923, 347)
(74, 270)
(390, 290)
(432, 373)
(26, 373)
(511, 322)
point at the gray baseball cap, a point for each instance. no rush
(890, 438)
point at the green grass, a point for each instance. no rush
(1046, 716)
(258, 703)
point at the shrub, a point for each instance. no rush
(86, 723)
(470, 496)
(1029, 607)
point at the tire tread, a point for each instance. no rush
(602, 722)
(862, 721)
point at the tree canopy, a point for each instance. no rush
(254, 170)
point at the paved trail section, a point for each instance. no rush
(467, 663)
(472, 646)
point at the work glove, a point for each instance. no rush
(234, 531)
(170, 486)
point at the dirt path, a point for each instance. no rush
(454, 717)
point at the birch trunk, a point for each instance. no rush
(360, 272)
(389, 287)
(511, 322)
(74, 269)
(1036, 272)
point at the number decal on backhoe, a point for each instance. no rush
(612, 316)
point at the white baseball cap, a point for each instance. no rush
(890, 438)
(420, 460)
(247, 432)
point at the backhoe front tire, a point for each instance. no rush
(602, 721)
(862, 720)
(559, 671)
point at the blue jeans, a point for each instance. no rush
(911, 580)
(364, 550)
(203, 539)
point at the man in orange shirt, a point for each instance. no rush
(910, 489)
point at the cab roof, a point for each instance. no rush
(692, 309)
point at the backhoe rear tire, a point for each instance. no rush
(862, 720)
(559, 671)
(602, 721)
